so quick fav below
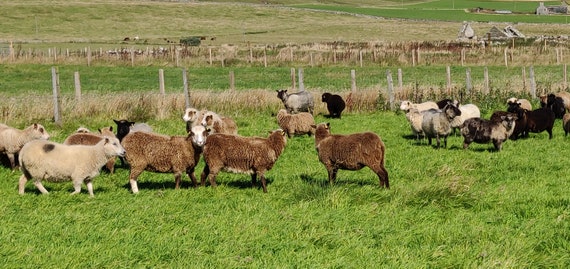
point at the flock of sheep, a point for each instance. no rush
(215, 138)
(438, 120)
(212, 137)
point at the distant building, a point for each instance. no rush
(547, 10)
(466, 32)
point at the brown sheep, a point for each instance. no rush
(351, 152)
(164, 154)
(238, 154)
(566, 123)
(296, 124)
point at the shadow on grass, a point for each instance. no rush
(324, 182)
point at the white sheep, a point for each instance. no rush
(437, 123)
(415, 118)
(523, 103)
(54, 162)
(12, 139)
(238, 154)
(296, 124)
(218, 124)
(406, 105)
(467, 111)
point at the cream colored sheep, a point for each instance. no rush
(54, 162)
(12, 139)
(218, 124)
(93, 139)
(193, 117)
(296, 124)
(406, 105)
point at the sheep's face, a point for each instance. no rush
(113, 147)
(452, 111)
(322, 129)
(282, 95)
(198, 135)
(405, 105)
(325, 97)
(208, 120)
(40, 132)
(191, 114)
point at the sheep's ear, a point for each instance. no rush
(328, 124)
(107, 140)
(313, 126)
(116, 121)
(35, 126)
(111, 128)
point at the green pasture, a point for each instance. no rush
(445, 208)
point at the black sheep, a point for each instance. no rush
(335, 104)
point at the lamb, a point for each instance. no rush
(297, 102)
(483, 131)
(12, 140)
(335, 104)
(237, 154)
(54, 162)
(566, 123)
(89, 138)
(437, 123)
(351, 152)
(164, 154)
(218, 124)
(296, 124)
(406, 105)
(467, 111)
(524, 103)
(415, 117)
(193, 117)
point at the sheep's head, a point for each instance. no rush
(282, 95)
(405, 105)
(198, 135)
(191, 114)
(451, 111)
(325, 97)
(208, 120)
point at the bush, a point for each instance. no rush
(191, 41)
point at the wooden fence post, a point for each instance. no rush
(360, 57)
(486, 77)
(353, 80)
(468, 85)
(186, 88)
(293, 79)
(564, 75)
(210, 55)
(88, 56)
(400, 80)
(161, 81)
(232, 81)
(524, 78)
(265, 56)
(532, 82)
(506, 60)
(390, 89)
(77, 86)
(56, 95)
(301, 83)
(448, 75)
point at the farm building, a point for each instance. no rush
(508, 32)
(547, 10)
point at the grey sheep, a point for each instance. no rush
(297, 102)
(54, 162)
(351, 152)
(238, 154)
(437, 123)
(296, 124)
(497, 130)
(12, 140)
(164, 154)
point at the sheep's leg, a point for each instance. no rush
(77, 187)
(497, 144)
(190, 173)
(429, 140)
(22, 184)
(332, 174)
(177, 179)
(40, 187)
(12, 160)
(253, 179)
(445, 141)
(383, 176)
(89, 184)
(263, 182)
(133, 179)
(212, 179)
(204, 174)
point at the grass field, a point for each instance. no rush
(446, 208)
